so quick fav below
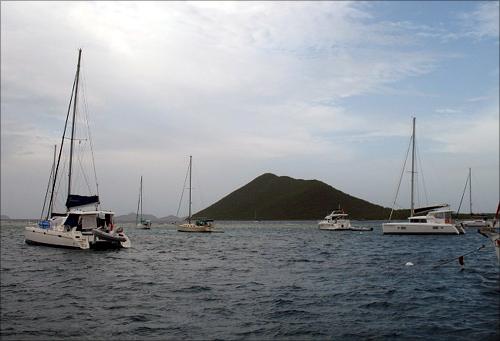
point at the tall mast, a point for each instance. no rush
(190, 170)
(412, 209)
(470, 191)
(141, 197)
(73, 122)
(49, 212)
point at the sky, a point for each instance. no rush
(310, 90)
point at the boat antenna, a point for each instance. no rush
(73, 123)
(412, 207)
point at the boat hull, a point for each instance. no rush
(50, 237)
(339, 225)
(193, 228)
(72, 239)
(419, 228)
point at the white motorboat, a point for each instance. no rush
(200, 225)
(76, 228)
(337, 220)
(140, 222)
(437, 219)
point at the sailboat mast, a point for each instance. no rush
(190, 174)
(141, 197)
(412, 208)
(470, 191)
(49, 212)
(73, 123)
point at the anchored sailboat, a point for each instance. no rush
(76, 228)
(426, 220)
(140, 222)
(480, 221)
(201, 225)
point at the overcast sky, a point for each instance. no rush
(310, 90)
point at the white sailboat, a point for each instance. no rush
(479, 221)
(76, 228)
(200, 225)
(140, 222)
(426, 220)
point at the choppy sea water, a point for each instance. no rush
(258, 280)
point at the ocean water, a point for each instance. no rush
(258, 280)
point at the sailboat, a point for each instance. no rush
(201, 225)
(78, 228)
(140, 222)
(480, 221)
(425, 220)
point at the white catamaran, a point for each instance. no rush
(140, 222)
(77, 228)
(426, 220)
(201, 225)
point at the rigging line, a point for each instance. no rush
(463, 193)
(400, 178)
(465, 254)
(423, 177)
(84, 174)
(86, 111)
(51, 203)
(182, 194)
(47, 191)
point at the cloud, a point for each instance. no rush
(248, 84)
(483, 22)
(447, 111)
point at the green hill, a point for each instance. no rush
(271, 197)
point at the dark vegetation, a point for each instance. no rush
(271, 197)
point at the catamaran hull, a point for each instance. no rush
(48, 237)
(420, 228)
(70, 239)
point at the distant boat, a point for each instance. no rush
(437, 219)
(140, 222)
(200, 225)
(338, 220)
(76, 228)
(493, 233)
(479, 221)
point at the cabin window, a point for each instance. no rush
(72, 220)
(88, 221)
(434, 227)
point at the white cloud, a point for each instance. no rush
(482, 22)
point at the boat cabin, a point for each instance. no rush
(88, 220)
(440, 217)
